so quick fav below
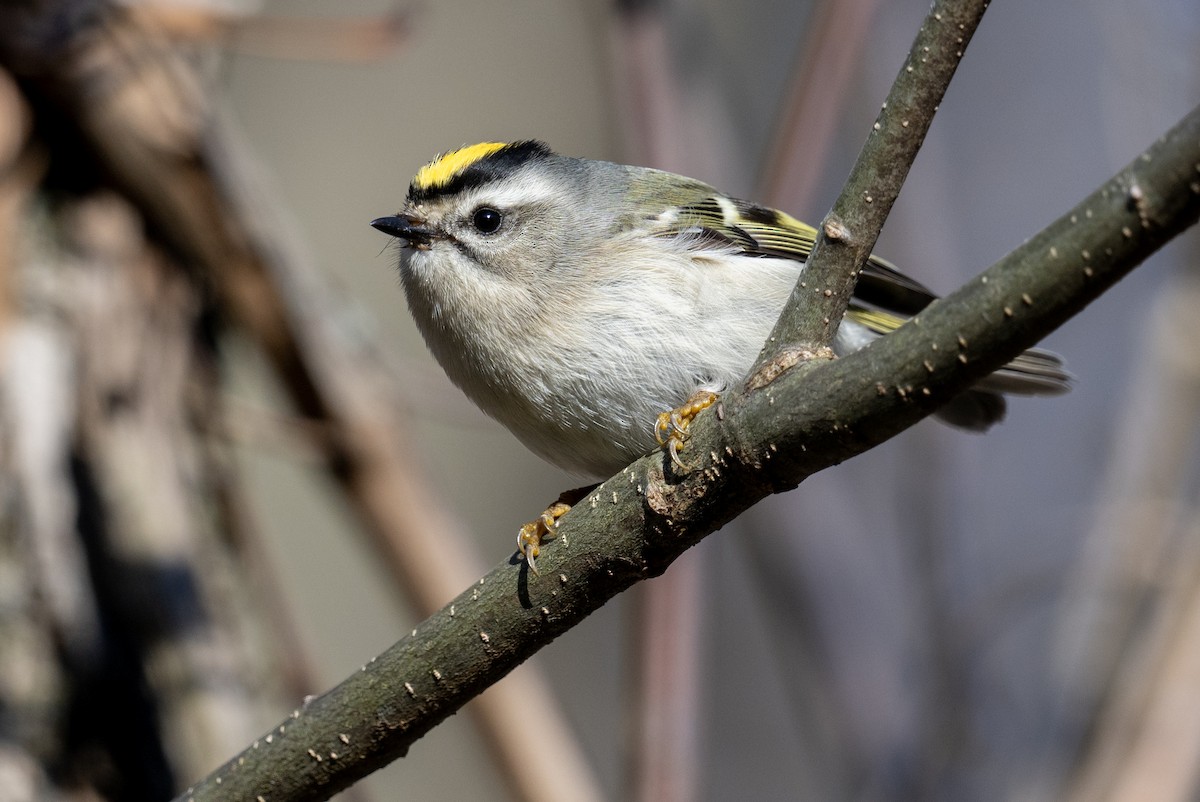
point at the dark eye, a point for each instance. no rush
(486, 220)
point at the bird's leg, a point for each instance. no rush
(670, 429)
(545, 526)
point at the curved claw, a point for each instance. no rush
(670, 429)
(529, 543)
(673, 449)
(662, 426)
(679, 423)
(544, 527)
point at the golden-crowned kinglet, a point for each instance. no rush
(575, 301)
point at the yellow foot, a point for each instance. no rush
(531, 535)
(670, 429)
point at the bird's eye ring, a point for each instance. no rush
(486, 220)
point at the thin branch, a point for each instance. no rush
(350, 40)
(767, 440)
(847, 235)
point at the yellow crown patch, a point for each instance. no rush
(441, 170)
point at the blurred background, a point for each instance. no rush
(230, 473)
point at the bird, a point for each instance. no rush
(593, 308)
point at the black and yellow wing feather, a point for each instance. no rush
(884, 298)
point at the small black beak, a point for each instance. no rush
(406, 228)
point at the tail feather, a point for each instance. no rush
(1035, 372)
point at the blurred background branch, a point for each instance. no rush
(140, 109)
